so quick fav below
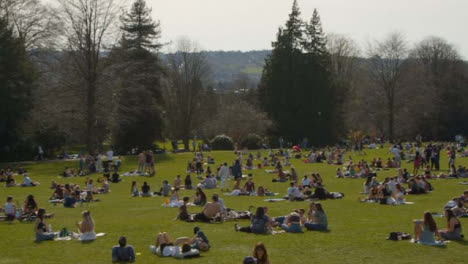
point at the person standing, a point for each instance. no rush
(224, 174)
(281, 142)
(141, 162)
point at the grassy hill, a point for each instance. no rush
(357, 230)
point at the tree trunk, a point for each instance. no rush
(390, 119)
(186, 143)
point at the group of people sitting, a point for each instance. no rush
(9, 178)
(426, 230)
(28, 210)
(261, 223)
(458, 205)
(146, 190)
(70, 194)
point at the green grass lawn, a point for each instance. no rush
(357, 230)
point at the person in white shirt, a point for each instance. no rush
(294, 193)
(223, 173)
(10, 209)
(396, 153)
(306, 181)
(110, 155)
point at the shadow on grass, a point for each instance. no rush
(462, 242)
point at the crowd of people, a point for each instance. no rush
(392, 190)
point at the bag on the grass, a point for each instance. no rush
(399, 236)
(64, 232)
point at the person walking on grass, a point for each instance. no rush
(224, 174)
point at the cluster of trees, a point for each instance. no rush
(321, 86)
(85, 72)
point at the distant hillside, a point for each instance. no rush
(226, 66)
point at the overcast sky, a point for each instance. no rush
(252, 24)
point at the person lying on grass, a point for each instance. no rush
(425, 230)
(454, 229)
(317, 219)
(165, 247)
(211, 210)
(123, 252)
(86, 227)
(259, 224)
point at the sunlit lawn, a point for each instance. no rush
(357, 230)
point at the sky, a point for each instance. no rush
(253, 24)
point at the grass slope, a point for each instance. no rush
(357, 235)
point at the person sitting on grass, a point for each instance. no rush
(10, 181)
(317, 218)
(259, 224)
(27, 181)
(165, 189)
(122, 252)
(134, 189)
(209, 182)
(86, 227)
(10, 209)
(183, 212)
(249, 186)
(200, 197)
(40, 227)
(70, 200)
(145, 190)
(174, 199)
(115, 177)
(453, 230)
(292, 223)
(210, 210)
(399, 194)
(58, 193)
(260, 254)
(424, 230)
(294, 194)
(30, 206)
(188, 182)
(177, 182)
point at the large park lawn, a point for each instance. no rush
(357, 230)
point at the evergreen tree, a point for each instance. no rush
(139, 29)
(17, 79)
(294, 89)
(137, 74)
(315, 40)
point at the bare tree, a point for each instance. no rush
(343, 61)
(386, 60)
(187, 72)
(237, 118)
(32, 22)
(87, 27)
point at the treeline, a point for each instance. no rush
(322, 87)
(86, 72)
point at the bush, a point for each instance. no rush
(222, 142)
(252, 141)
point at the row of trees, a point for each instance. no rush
(322, 86)
(85, 72)
(89, 73)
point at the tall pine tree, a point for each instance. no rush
(138, 72)
(17, 79)
(139, 29)
(294, 89)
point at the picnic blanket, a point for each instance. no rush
(275, 200)
(134, 173)
(436, 243)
